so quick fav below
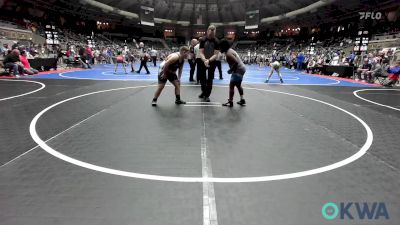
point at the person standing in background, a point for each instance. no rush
(218, 65)
(153, 54)
(89, 54)
(192, 58)
(300, 61)
(199, 62)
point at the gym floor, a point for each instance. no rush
(86, 147)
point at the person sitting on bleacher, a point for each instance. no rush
(3, 50)
(33, 51)
(311, 65)
(70, 54)
(351, 58)
(363, 70)
(27, 66)
(82, 58)
(12, 62)
(377, 70)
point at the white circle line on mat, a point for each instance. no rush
(27, 93)
(264, 78)
(376, 103)
(363, 150)
(357, 155)
(47, 148)
(286, 84)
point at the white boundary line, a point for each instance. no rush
(62, 132)
(28, 93)
(122, 74)
(117, 79)
(209, 205)
(285, 84)
(50, 150)
(367, 100)
(202, 105)
(206, 103)
(12, 160)
(264, 78)
(116, 74)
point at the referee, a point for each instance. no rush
(209, 50)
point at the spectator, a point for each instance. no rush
(27, 67)
(14, 46)
(311, 65)
(70, 53)
(351, 58)
(109, 55)
(82, 58)
(198, 61)
(300, 61)
(153, 54)
(60, 54)
(4, 50)
(12, 61)
(362, 71)
(33, 51)
(192, 59)
(377, 71)
(335, 59)
(89, 55)
(96, 55)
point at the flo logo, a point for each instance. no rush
(370, 15)
(355, 210)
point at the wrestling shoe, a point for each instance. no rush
(180, 102)
(241, 102)
(228, 104)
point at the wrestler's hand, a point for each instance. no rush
(229, 71)
(207, 63)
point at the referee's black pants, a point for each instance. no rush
(206, 77)
(143, 63)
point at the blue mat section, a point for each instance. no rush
(254, 75)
